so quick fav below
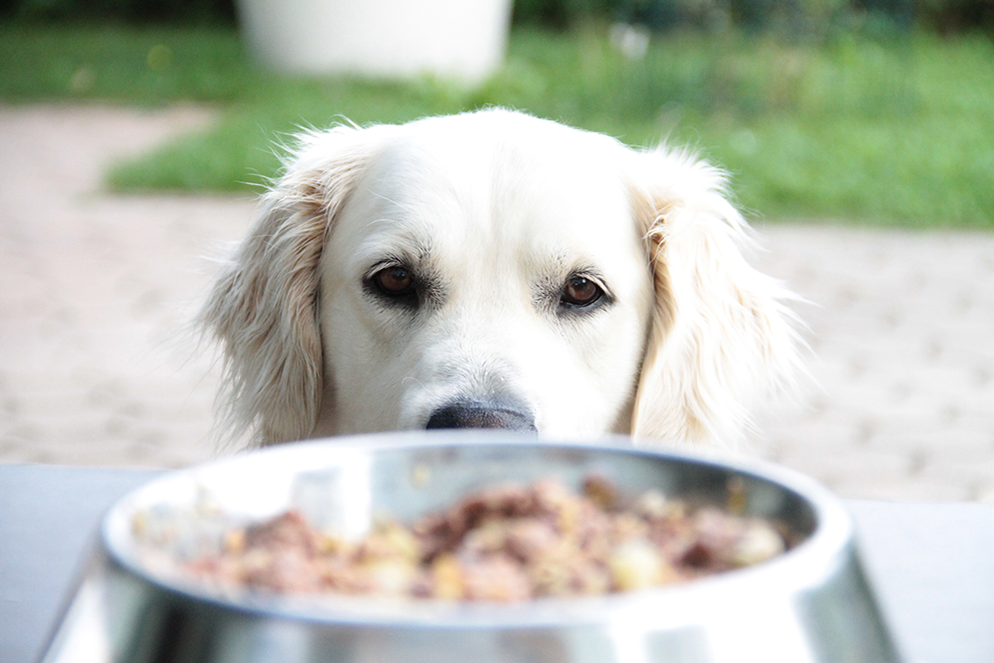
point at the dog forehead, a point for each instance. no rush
(510, 148)
(495, 177)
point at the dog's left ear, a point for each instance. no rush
(263, 308)
(721, 338)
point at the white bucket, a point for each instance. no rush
(462, 39)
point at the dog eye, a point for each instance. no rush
(395, 281)
(581, 291)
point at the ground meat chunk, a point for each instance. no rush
(502, 543)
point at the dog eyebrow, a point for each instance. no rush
(397, 241)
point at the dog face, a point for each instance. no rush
(496, 270)
(484, 276)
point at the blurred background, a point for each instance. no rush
(858, 136)
(870, 110)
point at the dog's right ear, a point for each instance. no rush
(722, 338)
(263, 308)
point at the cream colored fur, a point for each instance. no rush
(494, 211)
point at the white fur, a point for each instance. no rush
(495, 210)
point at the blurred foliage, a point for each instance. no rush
(147, 65)
(800, 18)
(130, 11)
(956, 16)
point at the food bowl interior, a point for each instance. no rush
(345, 487)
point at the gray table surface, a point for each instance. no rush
(932, 563)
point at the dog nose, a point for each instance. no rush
(481, 415)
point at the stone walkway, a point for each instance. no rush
(97, 368)
(902, 326)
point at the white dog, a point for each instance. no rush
(496, 270)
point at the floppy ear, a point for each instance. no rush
(721, 338)
(263, 308)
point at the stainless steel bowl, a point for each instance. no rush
(812, 604)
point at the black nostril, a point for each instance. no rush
(481, 415)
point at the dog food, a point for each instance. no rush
(503, 543)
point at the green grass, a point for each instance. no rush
(108, 62)
(877, 131)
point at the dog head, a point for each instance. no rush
(496, 270)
